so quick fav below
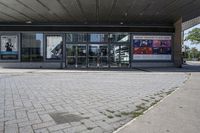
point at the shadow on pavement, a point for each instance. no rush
(187, 67)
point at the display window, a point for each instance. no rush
(152, 47)
(9, 47)
(54, 44)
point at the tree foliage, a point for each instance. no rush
(194, 36)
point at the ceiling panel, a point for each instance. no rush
(57, 9)
(39, 9)
(105, 7)
(74, 10)
(19, 7)
(89, 10)
(98, 11)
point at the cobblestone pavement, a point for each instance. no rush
(102, 99)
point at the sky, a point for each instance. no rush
(188, 43)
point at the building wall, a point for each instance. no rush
(57, 63)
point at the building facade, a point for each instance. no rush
(85, 49)
(93, 33)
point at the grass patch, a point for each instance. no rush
(145, 100)
(110, 111)
(110, 116)
(89, 128)
(140, 108)
(169, 92)
(118, 115)
(125, 113)
(136, 114)
(152, 97)
(103, 120)
(155, 102)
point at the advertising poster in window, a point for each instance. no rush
(54, 47)
(9, 47)
(152, 47)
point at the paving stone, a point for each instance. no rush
(43, 130)
(75, 129)
(12, 128)
(26, 129)
(58, 127)
(44, 124)
(27, 99)
(46, 117)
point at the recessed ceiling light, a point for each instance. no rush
(29, 22)
(125, 14)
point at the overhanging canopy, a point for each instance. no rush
(126, 12)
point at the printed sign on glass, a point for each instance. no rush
(152, 47)
(54, 47)
(9, 47)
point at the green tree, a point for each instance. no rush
(194, 36)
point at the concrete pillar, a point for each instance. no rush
(178, 44)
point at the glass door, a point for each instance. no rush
(98, 55)
(81, 59)
(76, 55)
(93, 55)
(119, 55)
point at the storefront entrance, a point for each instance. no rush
(98, 55)
(97, 50)
(76, 55)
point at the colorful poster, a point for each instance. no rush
(9, 45)
(152, 47)
(54, 47)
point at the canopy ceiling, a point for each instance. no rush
(126, 12)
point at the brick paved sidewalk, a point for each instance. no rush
(103, 100)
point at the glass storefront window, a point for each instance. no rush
(93, 37)
(9, 47)
(76, 37)
(32, 47)
(119, 37)
(54, 47)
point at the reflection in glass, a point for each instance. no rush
(32, 47)
(76, 55)
(114, 55)
(81, 50)
(93, 61)
(98, 37)
(119, 37)
(81, 61)
(119, 55)
(54, 47)
(124, 55)
(76, 37)
(71, 50)
(71, 61)
(98, 55)
(93, 50)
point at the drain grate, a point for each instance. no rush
(64, 117)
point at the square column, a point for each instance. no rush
(178, 44)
